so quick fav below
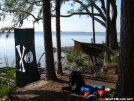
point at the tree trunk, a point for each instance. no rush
(113, 43)
(51, 75)
(59, 66)
(113, 31)
(107, 22)
(125, 84)
(92, 7)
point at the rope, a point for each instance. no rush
(67, 35)
(38, 63)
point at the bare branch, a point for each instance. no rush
(27, 13)
(76, 13)
(103, 5)
(100, 12)
(84, 13)
(114, 9)
(100, 21)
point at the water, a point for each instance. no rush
(7, 46)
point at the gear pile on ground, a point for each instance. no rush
(52, 90)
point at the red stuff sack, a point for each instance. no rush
(101, 93)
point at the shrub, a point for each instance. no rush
(77, 61)
(110, 59)
(7, 79)
(70, 56)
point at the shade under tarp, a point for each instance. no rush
(90, 49)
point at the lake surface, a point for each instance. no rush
(7, 46)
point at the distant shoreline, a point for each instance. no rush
(64, 49)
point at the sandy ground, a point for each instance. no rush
(52, 90)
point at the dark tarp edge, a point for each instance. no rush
(91, 49)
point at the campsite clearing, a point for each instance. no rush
(51, 90)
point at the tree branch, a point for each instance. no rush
(37, 19)
(114, 9)
(100, 21)
(34, 2)
(100, 12)
(84, 6)
(84, 13)
(103, 5)
(77, 13)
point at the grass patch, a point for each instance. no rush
(7, 78)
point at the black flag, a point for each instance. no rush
(26, 63)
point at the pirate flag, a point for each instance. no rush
(26, 64)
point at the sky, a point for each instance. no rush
(73, 23)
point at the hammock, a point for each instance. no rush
(90, 49)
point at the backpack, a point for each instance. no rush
(75, 82)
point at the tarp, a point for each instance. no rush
(26, 64)
(90, 48)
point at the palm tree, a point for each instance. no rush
(51, 75)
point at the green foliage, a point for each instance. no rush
(7, 78)
(114, 59)
(77, 61)
(110, 59)
(70, 56)
(106, 59)
(5, 90)
(19, 11)
(81, 62)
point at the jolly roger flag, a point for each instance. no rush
(26, 64)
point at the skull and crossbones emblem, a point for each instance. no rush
(28, 57)
(21, 64)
